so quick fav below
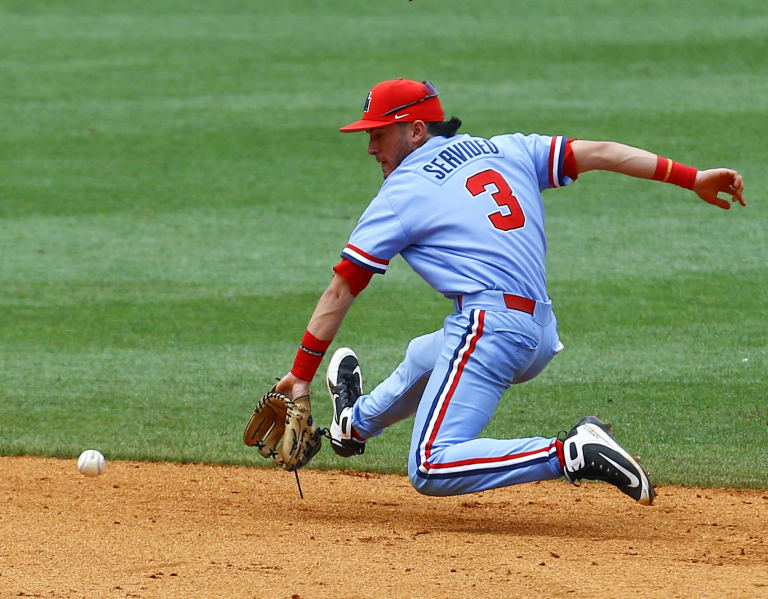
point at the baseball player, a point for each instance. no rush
(466, 214)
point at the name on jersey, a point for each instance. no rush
(457, 155)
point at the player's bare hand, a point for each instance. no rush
(714, 181)
(292, 386)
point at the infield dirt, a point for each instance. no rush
(148, 530)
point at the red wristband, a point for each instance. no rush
(669, 171)
(308, 356)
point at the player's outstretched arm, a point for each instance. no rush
(325, 322)
(331, 308)
(636, 162)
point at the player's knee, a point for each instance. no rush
(421, 352)
(424, 484)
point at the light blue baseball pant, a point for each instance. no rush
(453, 379)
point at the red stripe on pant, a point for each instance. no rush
(453, 384)
(491, 460)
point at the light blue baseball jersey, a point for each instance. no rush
(466, 213)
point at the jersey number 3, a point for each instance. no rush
(503, 196)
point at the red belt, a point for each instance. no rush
(514, 302)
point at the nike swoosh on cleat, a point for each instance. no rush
(633, 480)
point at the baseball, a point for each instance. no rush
(91, 463)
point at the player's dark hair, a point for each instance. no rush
(444, 129)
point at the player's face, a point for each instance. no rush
(390, 145)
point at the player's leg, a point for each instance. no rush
(397, 396)
(483, 353)
(357, 416)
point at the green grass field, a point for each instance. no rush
(173, 193)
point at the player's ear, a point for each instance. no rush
(419, 132)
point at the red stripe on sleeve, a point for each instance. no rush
(551, 158)
(367, 255)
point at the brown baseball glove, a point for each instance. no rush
(281, 429)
